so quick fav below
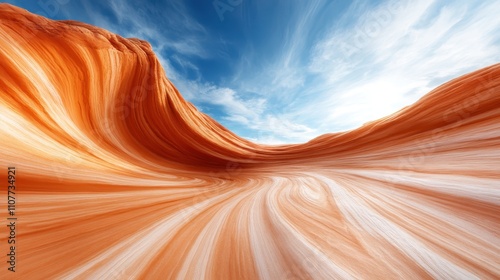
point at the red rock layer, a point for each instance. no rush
(119, 177)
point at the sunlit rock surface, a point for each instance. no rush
(119, 177)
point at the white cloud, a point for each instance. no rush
(250, 114)
(393, 58)
(362, 70)
(183, 35)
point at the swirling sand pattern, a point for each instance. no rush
(119, 177)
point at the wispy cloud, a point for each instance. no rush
(396, 53)
(248, 115)
(375, 60)
(173, 29)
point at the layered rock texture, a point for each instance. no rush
(119, 177)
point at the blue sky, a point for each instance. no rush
(286, 71)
